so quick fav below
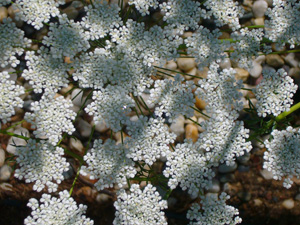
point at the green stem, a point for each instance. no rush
(199, 111)
(14, 135)
(286, 113)
(284, 52)
(177, 72)
(16, 124)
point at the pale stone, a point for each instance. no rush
(15, 141)
(77, 97)
(146, 98)
(5, 172)
(192, 72)
(225, 63)
(260, 59)
(76, 144)
(177, 126)
(6, 187)
(200, 104)
(268, 175)
(288, 203)
(189, 121)
(187, 34)
(3, 13)
(200, 120)
(102, 198)
(186, 64)
(100, 127)
(191, 132)
(259, 21)
(85, 129)
(227, 169)
(171, 65)
(257, 202)
(256, 70)
(203, 72)
(290, 59)
(274, 61)
(259, 8)
(65, 90)
(214, 187)
(71, 12)
(241, 74)
(2, 157)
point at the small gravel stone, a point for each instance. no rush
(191, 132)
(200, 120)
(257, 202)
(71, 12)
(227, 169)
(256, 70)
(84, 128)
(76, 144)
(2, 157)
(244, 158)
(241, 74)
(274, 61)
(228, 177)
(225, 63)
(100, 127)
(171, 65)
(177, 127)
(192, 72)
(297, 198)
(78, 100)
(5, 172)
(290, 59)
(244, 196)
(243, 168)
(68, 174)
(268, 175)
(200, 104)
(259, 21)
(3, 13)
(259, 8)
(288, 203)
(102, 198)
(13, 142)
(186, 64)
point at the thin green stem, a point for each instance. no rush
(246, 89)
(178, 72)
(146, 105)
(138, 105)
(14, 125)
(199, 111)
(14, 135)
(285, 114)
(193, 121)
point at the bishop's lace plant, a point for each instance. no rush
(274, 93)
(9, 97)
(60, 211)
(143, 5)
(283, 26)
(66, 38)
(149, 140)
(173, 97)
(12, 43)
(140, 206)
(45, 72)
(41, 163)
(51, 117)
(214, 211)
(36, 12)
(108, 163)
(282, 157)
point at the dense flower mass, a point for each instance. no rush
(108, 163)
(140, 206)
(282, 157)
(51, 117)
(41, 163)
(143, 5)
(60, 211)
(274, 93)
(214, 211)
(12, 43)
(9, 97)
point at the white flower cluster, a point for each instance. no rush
(188, 167)
(42, 163)
(214, 211)
(149, 140)
(274, 93)
(45, 72)
(143, 5)
(51, 117)
(12, 42)
(66, 38)
(225, 12)
(283, 26)
(282, 157)
(101, 18)
(173, 97)
(183, 14)
(36, 12)
(205, 46)
(59, 211)
(111, 105)
(108, 163)
(246, 46)
(4, 2)
(140, 207)
(9, 97)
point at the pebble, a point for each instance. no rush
(100, 127)
(244, 196)
(78, 100)
(71, 12)
(268, 175)
(225, 63)
(177, 127)
(6, 187)
(259, 21)
(297, 198)
(256, 70)
(259, 8)
(214, 187)
(200, 104)
(203, 72)
(290, 59)
(171, 65)
(84, 128)
(241, 74)
(200, 120)
(5, 172)
(228, 177)
(244, 158)
(102, 198)
(68, 174)
(257, 202)
(3, 13)
(15, 141)
(227, 169)
(2, 157)
(171, 202)
(186, 64)
(76, 144)
(274, 61)
(288, 203)
(243, 168)
(146, 98)
(191, 132)
(192, 72)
